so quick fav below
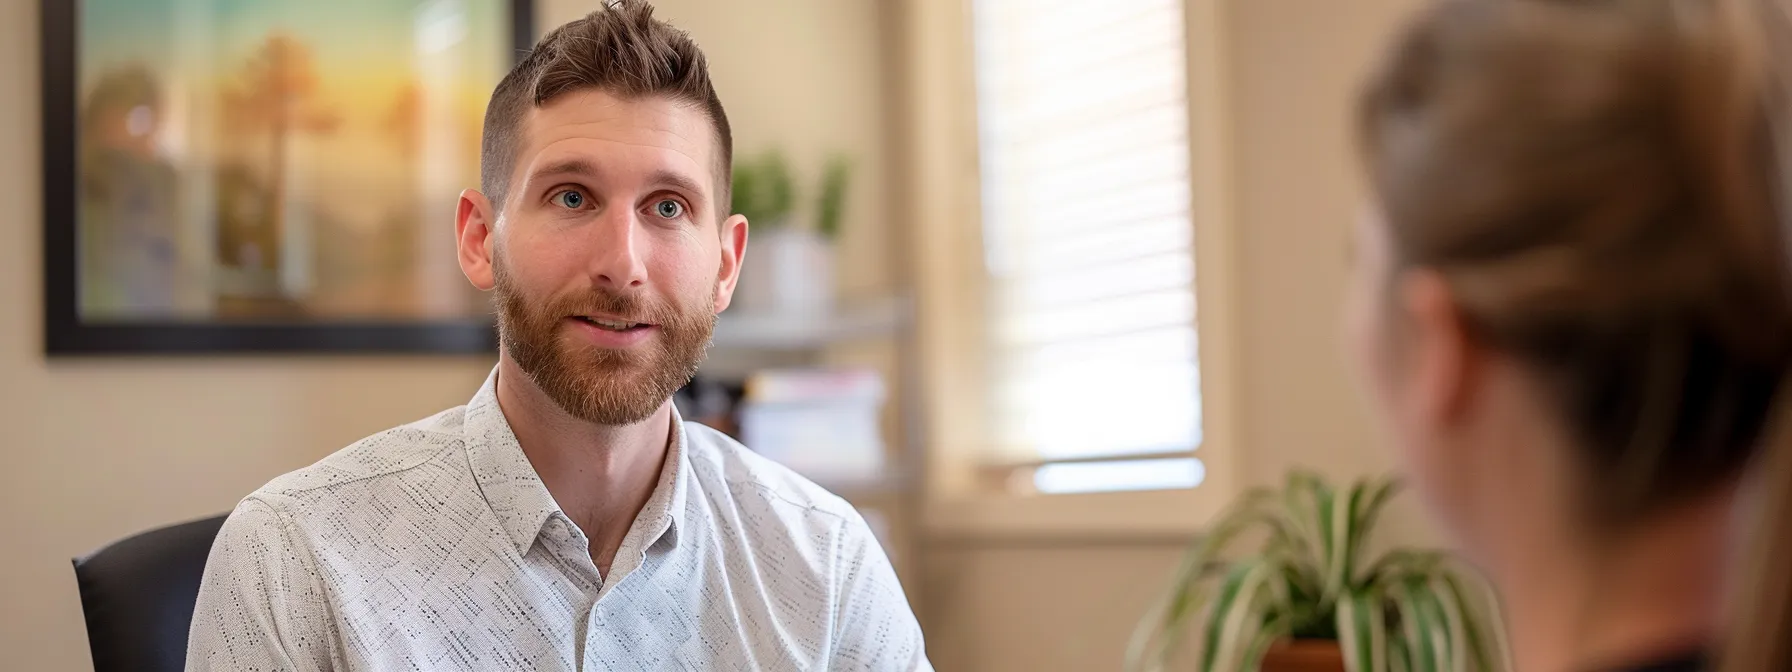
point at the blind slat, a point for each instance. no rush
(1161, 344)
(1119, 133)
(1039, 25)
(1163, 162)
(1095, 99)
(1166, 271)
(1108, 244)
(1092, 319)
(1128, 49)
(1044, 211)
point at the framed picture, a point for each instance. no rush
(265, 175)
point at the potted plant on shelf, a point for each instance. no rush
(1307, 597)
(764, 191)
(790, 272)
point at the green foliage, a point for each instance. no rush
(763, 189)
(830, 205)
(1309, 577)
(766, 193)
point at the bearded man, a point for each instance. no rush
(566, 518)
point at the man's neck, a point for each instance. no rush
(600, 475)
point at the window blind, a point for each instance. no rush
(1083, 118)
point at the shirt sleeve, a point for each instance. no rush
(260, 604)
(875, 630)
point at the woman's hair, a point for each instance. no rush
(1599, 183)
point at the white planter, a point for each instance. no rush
(787, 272)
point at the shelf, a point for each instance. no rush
(885, 495)
(749, 331)
(884, 490)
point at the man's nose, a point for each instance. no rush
(616, 254)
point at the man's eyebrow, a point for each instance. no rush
(677, 181)
(565, 167)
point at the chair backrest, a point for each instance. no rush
(138, 595)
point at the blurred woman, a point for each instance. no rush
(1574, 312)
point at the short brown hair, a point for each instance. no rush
(621, 50)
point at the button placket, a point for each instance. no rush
(570, 544)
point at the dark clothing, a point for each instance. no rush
(1687, 662)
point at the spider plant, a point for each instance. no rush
(1306, 576)
(830, 206)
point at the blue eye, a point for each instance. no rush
(570, 199)
(668, 209)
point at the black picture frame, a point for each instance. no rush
(65, 334)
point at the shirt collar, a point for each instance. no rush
(663, 517)
(522, 502)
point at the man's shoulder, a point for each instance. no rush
(395, 453)
(720, 461)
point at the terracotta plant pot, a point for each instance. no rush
(1304, 655)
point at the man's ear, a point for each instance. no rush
(1442, 360)
(734, 250)
(475, 233)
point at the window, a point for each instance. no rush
(1083, 122)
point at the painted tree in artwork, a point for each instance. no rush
(274, 97)
(404, 120)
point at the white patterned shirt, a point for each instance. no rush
(435, 546)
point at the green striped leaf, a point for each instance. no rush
(1474, 639)
(1280, 595)
(1333, 544)
(1414, 630)
(1302, 500)
(1435, 625)
(1399, 659)
(1157, 636)
(1155, 639)
(1343, 538)
(1462, 648)
(1234, 616)
(1379, 494)
(1398, 564)
(1362, 631)
(1298, 516)
(1486, 632)
(1214, 626)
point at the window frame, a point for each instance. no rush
(962, 491)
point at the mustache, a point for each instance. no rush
(634, 306)
(597, 300)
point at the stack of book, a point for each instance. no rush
(822, 423)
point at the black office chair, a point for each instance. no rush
(138, 595)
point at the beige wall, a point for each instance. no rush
(1295, 67)
(97, 449)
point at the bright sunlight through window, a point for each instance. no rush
(1084, 135)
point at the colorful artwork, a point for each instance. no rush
(269, 162)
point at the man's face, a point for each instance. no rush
(606, 256)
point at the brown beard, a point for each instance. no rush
(602, 385)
